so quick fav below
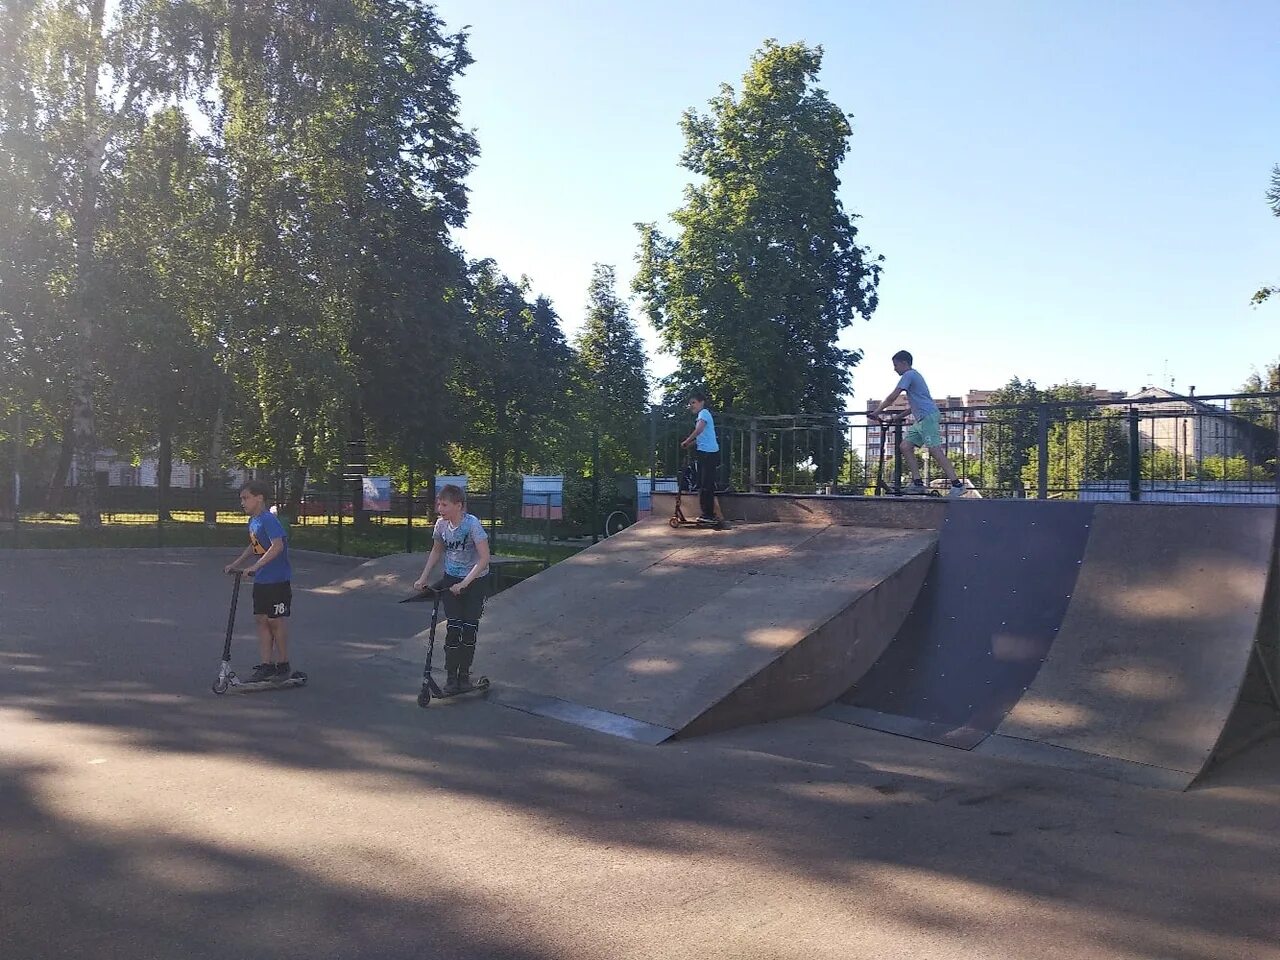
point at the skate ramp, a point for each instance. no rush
(391, 577)
(1153, 652)
(383, 578)
(982, 626)
(689, 631)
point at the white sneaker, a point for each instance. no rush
(956, 491)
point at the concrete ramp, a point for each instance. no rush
(1154, 649)
(689, 631)
(981, 627)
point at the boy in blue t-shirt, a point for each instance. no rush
(272, 591)
(707, 453)
(460, 538)
(925, 431)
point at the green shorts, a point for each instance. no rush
(924, 432)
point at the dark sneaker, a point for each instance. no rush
(464, 681)
(451, 685)
(262, 672)
(283, 671)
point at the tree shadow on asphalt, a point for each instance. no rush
(192, 899)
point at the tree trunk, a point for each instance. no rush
(86, 227)
(164, 471)
(214, 477)
(58, 483)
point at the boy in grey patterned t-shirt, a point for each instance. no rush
(460, 539)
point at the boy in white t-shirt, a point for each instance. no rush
(460, 539)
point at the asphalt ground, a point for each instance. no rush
(141, 816)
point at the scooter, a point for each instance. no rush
(896, 490)
(227, 681)
(430, 688)
(678, 519)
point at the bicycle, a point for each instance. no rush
(616, 522)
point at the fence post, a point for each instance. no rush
(342, 486)
(1277, 460)
(653, 455)
(1135, 457)
(753, 458)
(1042, 449)
(897, 455)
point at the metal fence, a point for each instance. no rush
(1155, 447)
(1159, 448)
(325, 519)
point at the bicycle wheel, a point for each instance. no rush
(616, 522)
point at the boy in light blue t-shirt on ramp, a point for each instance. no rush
(707, 455)
(924, 432)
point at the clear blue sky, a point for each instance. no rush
(1062, 191)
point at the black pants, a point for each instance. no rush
(470, 605)
(708, 471)
(463, 613)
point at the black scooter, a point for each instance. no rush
(430, 688)
(686, 482)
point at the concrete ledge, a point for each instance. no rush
(900, 513)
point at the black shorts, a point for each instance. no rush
(272, 600)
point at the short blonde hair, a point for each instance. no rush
(452, 493)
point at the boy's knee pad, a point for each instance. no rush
(469, 631)
(453, 635)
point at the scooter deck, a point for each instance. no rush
(478, 685)
(236, 685)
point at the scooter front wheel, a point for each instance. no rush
(424, 697)
(220, 686)
(674, 522)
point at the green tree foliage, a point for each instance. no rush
(166, 205)
(854, 476)
(515, 382)
(1009, 433)
(1086, 442)
(77, 81)
(1265, 381)
(1264, 414)
(611, 384)
(766, 269)
(1233, 468)
(259, 293)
